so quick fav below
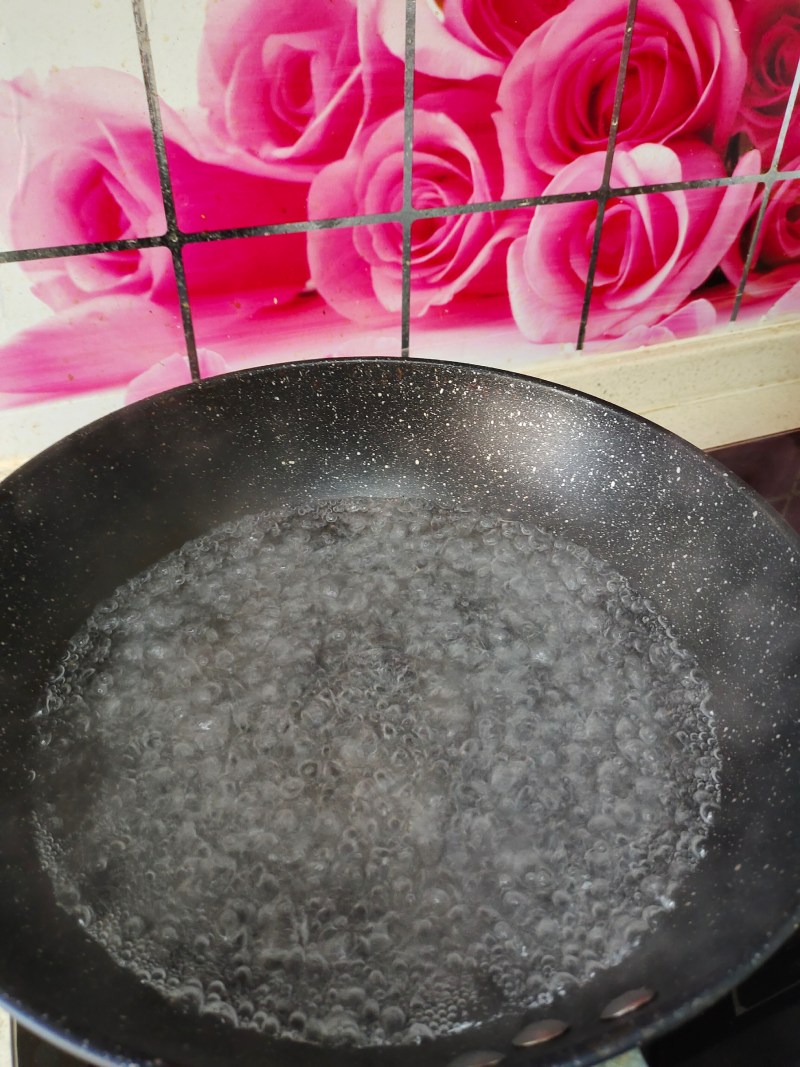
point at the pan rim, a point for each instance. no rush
(157, 399)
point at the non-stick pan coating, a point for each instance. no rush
(113, 498)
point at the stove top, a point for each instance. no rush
(759, 1023)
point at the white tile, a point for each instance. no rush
(41, 36)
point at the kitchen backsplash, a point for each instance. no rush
(303, 208)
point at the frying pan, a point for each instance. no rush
(116, 496)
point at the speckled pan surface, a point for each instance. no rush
(111, 499)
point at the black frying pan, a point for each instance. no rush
(111, 499)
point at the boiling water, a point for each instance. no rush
(366, 772)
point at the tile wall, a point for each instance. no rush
(499, 181)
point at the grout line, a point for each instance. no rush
(751, 250)
(698, 183)
(23, 255)
(408, 175)
(605, 185)
(787, 118)
(408, 106)
(304, 226)
(477, 207)
(769, 181)
(405, 296)
(173, 233)
(618, 94)
(20, 255)
(186, 313)
(593, 257)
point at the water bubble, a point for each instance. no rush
(392, 1019)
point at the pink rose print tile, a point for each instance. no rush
(545, 74)
(456, 157)
(465, 40)
(284, 89)
(93, 322)
(657, 276)
(482, 68)
(259, 300)
(771, 42)
(459, 299)
(282, 111)
(657, 252)
(773, 283)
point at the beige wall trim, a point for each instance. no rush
(716, 390)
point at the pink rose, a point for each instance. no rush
(776, 260)
(456, 161)
(79, 166)
(290, 82)
(771, 39)
(463, 39)
(655, 248)
(685, 78)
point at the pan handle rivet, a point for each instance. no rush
(477, 1058)
(627, 1002)
(539, 1032)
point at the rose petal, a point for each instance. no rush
(695, 318)
(539, 320)
(171, 372)
(337, 269)
(95, 345)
